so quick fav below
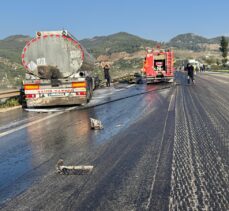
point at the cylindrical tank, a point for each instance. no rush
(56, 54)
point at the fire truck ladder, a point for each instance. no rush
(169, 62)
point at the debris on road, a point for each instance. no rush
(120, 125)
(96, 124)
(72, 170)
(177, 83)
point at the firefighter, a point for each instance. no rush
(190, 70)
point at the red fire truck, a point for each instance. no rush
(159, 65)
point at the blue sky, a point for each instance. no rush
(158, 20)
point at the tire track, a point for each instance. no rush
(199, 179)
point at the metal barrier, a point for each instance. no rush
(9, 94)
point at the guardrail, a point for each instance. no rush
(9, 94)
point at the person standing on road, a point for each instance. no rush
(190, 70)
(106, 70)
(203, 67)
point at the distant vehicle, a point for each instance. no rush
(58, 71)
(159, 65)
(196, 64)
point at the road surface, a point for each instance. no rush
(166, 149)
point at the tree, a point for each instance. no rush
(224, 49)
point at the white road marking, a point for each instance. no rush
(34, 122)
(118, 90)
(12, 124)
(130, 85)
(97, 98)
(172, 103)
(159, 155)
(39, 110)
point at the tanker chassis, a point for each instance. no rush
(58, 71)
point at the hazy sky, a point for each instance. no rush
(158, 20)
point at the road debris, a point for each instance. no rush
(72, 170)
(120, 125)
(96, 124)
(177, 83)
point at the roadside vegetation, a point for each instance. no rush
(10, 103)
(224, 50)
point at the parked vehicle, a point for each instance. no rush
(58, 71)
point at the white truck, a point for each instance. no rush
(58, 71)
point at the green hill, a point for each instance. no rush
(11, 72)
(216, 40)
(119, 42)
(188, 41)
(11, 47)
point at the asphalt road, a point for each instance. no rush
(167, 149)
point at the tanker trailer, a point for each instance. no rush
(58, 71)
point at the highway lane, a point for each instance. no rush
(200, 169)
(15, 118)
(29, 153)
(165, 150)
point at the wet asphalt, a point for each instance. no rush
(167, 149)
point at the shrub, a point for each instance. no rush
(10, 103)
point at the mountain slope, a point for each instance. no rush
(11, 47)
(119, 42)
(11, 72)
(188, 41)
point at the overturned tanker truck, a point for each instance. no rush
(58, 71)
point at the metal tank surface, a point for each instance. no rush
(58, 71)
(56, 54)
